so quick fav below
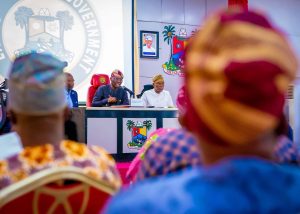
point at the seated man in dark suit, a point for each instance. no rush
(111, 94)
(72, 101)
(72, 97)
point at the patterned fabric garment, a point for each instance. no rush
(175, 149)
(286, 151)
(93, 160)
(136, 162)
(172, 151)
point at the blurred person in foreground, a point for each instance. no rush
(157, 97)
(37, 106)
(134, 167)
(238, 69)
(170, 150)
(111, 94)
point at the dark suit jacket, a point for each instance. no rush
(74, 97)
(71, 130)
(103, 92)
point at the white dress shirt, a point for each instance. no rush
(69, 99)
(163, 99)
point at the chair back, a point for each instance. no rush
(97, 80)
(61, 190)
(146, 88)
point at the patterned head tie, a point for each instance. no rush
(238, 68)
(37, 85)
(117, 73)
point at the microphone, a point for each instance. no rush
(129, 91)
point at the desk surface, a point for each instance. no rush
(130, 109)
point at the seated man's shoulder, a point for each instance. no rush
(25, 163)
(103, 87)
(151, 91)
(156, 194)
(101, 152)
(73, 91)
(166, 92)
(122, 89)
(80, 149)
(93, 160)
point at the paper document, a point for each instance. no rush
(10, 144)
(136, 102)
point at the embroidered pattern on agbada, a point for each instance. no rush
(238, 69)
(93, 160)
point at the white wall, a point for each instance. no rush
(286, 14)
(154, 15)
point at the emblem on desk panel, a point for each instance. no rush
(67, 29)
(138, 133)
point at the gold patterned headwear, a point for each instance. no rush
(157, 77)
(238, 68)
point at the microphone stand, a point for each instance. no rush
(131, 93)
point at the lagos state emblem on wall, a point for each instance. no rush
(177, 44)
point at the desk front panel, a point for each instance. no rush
(122, 132)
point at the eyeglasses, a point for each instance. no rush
(118, 79)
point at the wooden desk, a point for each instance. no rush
(122, 131)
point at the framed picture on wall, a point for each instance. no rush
(149, 43)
